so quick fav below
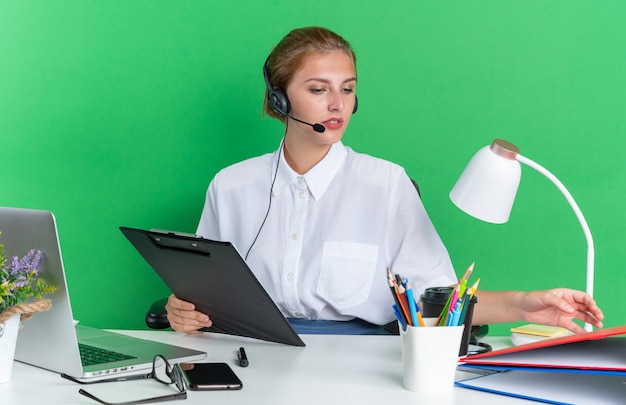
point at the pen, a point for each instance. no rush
(412, 306)
(466, 303)
(462, 288)
(399, 316)
(420, 320)
(404, 304)
(453, 319)
(243, 359)
(452, 305)
(464, 280)
(391, 281)
(474, 288)
(455, 297)
(468, 272)
(441, 320)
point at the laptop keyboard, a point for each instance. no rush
(91, 355)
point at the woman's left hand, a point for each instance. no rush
(559, 307)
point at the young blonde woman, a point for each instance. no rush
(320, 224)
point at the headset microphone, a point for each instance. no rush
(316, 127)
(279, 102)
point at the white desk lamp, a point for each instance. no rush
(487, 187)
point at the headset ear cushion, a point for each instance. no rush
(356, 104)
(279, 102)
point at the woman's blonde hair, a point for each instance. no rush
(289, 54)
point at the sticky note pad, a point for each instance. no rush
(539, 330)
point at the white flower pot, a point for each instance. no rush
(8, 340)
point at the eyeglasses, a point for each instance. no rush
(162, 371)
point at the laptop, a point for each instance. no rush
(52, 340)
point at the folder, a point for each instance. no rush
(598, 350)
(553, 388)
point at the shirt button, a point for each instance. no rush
(302, 195)
(294, 236)
(300, 179)
(299, 314)
(290, 276)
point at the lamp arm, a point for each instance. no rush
(579, 215)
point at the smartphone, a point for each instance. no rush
(210, 376)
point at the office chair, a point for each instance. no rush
(156, 316)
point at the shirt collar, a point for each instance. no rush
(318, 178)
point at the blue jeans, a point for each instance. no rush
(353, 327)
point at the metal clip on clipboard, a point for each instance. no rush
(179, 241)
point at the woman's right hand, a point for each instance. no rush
(183, 317)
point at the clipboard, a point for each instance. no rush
(598, 350)
(215, 278)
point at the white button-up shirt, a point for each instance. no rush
(330, 234)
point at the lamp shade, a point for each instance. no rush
(487, 187)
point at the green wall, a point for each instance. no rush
(120, 112)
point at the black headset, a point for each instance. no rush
(279, 102)
(277, 98)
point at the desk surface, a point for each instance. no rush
(329, 370)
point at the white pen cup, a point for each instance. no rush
(430, 355)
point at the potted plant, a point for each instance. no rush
(21, 296)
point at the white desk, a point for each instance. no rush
(329, 370)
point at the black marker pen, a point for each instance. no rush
(243, 359)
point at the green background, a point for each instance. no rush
(119, 113)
